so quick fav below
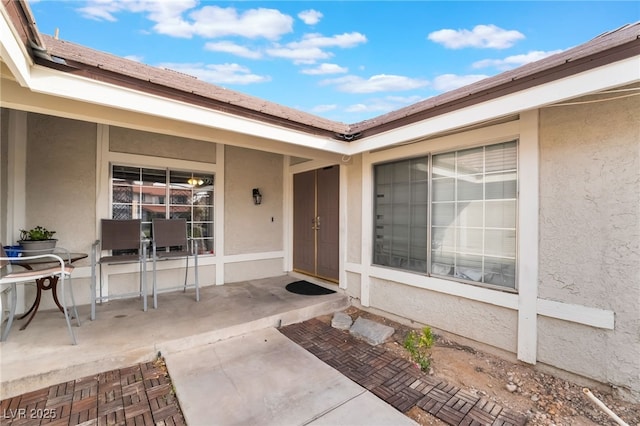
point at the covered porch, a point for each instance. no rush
(123, 334)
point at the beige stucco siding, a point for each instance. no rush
(249, 228)
(590, 235)
(61, 179)
(132, 141)
(478, 321)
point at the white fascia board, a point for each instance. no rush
(12, 50)
(54, 83)
(602, 78)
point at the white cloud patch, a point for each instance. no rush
(180, 18)
(307, 55)
(514, 61)
(136, 58)
(447, 82)
(324, 108)
(232, 48)
(324, 69)
(383, 105)
(218, 73)
(310, 17)
(376, 83)
(482, 36)
(344, 41)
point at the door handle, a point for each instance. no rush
(315, 223)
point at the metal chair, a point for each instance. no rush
(123, 239)
(170, 241)
(61, 272)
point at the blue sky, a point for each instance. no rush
(344, 60)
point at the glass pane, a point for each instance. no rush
(443, 240)
(401, 171)
(500, 214)
(444, 189)
(125, 175)
(469, 240)
(442, 263)
(444, 165)
(443, 214)
(470, 188)
(500, 243)
(419, 192)
(470, 214)
(469, 267)
(470, 161)
(500, 272)
(501, 185)
(503, 156)
(150, 177)
(180, 212)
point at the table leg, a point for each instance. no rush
(48, 283)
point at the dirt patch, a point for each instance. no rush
(543, 398)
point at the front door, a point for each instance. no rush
(316, 206)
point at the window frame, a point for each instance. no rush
(168, 170)
(430, 154)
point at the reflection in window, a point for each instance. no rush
(472, 208)
(147, 193)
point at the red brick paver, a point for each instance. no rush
(137, 395)
(396, 380)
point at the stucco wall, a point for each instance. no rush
(489, 324)
(137, 142)
(61, 179)
(590, 236)
(249, 228)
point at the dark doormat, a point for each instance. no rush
(307, 288)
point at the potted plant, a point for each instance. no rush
(38, 240)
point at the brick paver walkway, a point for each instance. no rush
(396, 380)
(138, 395)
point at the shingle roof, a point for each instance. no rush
(606, 48)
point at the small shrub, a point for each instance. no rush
(419, 346)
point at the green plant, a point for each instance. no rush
(38, 233)
(419, 346)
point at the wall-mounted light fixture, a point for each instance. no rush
(257, 196)
(195, 181)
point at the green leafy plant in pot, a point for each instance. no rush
(38, 240)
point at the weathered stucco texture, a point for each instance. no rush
(61, 179)
(590, 235)
(488, 324)
(248, 228)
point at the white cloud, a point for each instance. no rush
(214, 21)
(136, 58)
(311, 48)
(343, 41)
(514, 61)
(307, 55)
(218, 73)
(233, 48)
(325, 69)
(383, 105)
(324, 108)
(482, 36)
(447, 82)
(376, 83)
(310, 17)
(208, 21)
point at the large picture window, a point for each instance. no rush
(472, 209)
(148, 193)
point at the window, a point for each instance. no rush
(472, 209)
(142, 193)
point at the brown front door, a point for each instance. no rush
(316, 202)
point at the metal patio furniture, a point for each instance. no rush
(57, 276)
(170, 241)
(122, 239)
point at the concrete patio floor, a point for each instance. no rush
(123, 335)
